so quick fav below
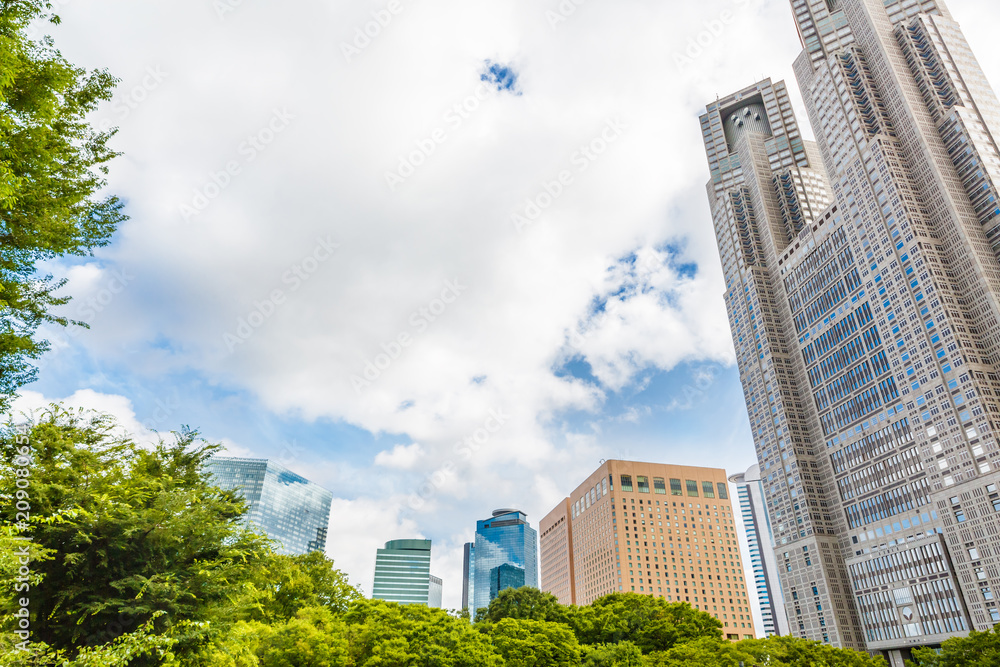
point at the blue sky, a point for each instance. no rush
(351, 243)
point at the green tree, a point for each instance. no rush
(386, 634)
(979, 649)
(52, 169)
(704, 652)
(530, 643)
(622, 654)
(284, 585)
(527, 603)
(652, 624)
(797, 652)
(314, 638)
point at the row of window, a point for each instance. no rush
(708, 489)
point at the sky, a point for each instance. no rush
(359, 231)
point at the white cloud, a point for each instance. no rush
(401, 456)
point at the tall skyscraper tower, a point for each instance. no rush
(403, 574)
(760, 542)
(289, 508)
(863, 291)
(505, 556)
(653, 529)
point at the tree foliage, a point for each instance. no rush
(979, 649)
(52, 172)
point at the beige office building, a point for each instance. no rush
(863, 292)
(653, 529)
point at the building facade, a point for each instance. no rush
(435, 592)
(289, 508)
(468, 574)
(505, 555)
(760, 543)
(649, 528)
(863, 292)
(403, 574)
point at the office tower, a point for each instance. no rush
(403, 574)
(760, 541)
(468, 574)
(435, 592)
(863, 291)
(506, 555)
(555, 538)
(653, 529)
(287, 507)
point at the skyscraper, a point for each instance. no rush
(863, 292)
(760, 541)
(609, 536)
(468, 575)
(403, 574)
(506, 552)
(287, 507)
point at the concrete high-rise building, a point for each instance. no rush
(403, 574)
(505, 556)
(653, 529)
(863, 292)
(468, 575)
(289, 508)
(760, 543)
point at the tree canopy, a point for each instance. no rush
(52, 174)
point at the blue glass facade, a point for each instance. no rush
(287, 507)
(506, 555)
(468, 574)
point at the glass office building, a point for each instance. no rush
(289, 508)
(506, 555)
(468, 574)
(403, 574)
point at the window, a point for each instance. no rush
(974, 553)
(723, 491)
(604, 486)
(659, 486)
(643, 483)
(708, 489)
(960, 516)
(675, 487)
(692, 488)
(611, 483)
(626, 482)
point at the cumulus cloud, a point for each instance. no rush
(401, 456)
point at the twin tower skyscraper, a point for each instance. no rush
(863, 293)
